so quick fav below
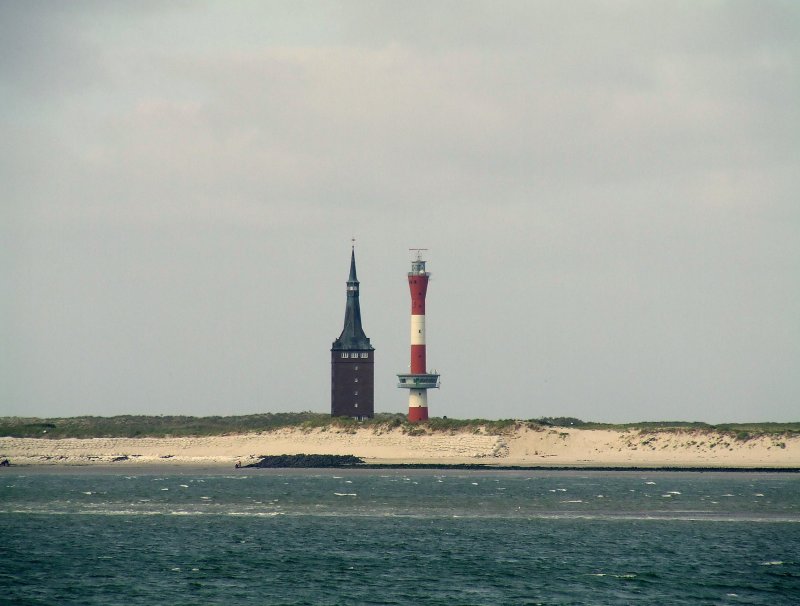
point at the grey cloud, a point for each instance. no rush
(608, 191)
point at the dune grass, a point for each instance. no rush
(136, 426)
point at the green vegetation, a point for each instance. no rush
(137, 426)
(140, 426)
(741, 431)
(579, 424)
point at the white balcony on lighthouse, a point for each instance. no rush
(411, 381)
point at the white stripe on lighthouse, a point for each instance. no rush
(418, 330)
(418, 398)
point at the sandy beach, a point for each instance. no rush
(523, 446)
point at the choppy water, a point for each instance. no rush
(393, 537)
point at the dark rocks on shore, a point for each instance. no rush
(311, 460)
(351, 461)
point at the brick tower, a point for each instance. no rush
(352, 360)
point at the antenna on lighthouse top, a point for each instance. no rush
(417, 253)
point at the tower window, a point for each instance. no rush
(355, 393)
(355, 380)
(355, 367)
(365, 355)
(355, 405)
(344, 355)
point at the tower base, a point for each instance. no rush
(417, 405)
(417, 413)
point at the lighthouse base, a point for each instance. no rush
(417, 405)
(417, 414)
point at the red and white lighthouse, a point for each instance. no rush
(419, 380)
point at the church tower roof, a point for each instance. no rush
(352, 336)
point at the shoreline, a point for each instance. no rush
(410, 468)
(522, 448)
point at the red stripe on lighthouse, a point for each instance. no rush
(419, 287)
(418, 366)
(418, 413)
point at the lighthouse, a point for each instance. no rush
(352, 360)
(419, 380)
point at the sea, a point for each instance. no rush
(405, 537)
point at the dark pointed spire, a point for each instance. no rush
(353, 277)
(352, 336)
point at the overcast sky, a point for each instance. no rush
(609, 192)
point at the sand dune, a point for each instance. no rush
(524, 446)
